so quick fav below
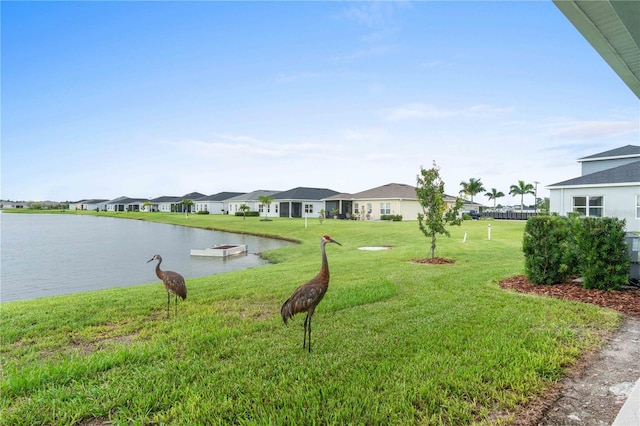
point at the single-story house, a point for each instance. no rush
(302, 202)
(12, 204)
(125, 204)
(609, 186)
(252, 200)
(170, 203)
(98, 204)
(389, 199)
(216, 203)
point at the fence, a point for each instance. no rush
(509, 215)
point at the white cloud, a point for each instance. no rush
(427, 111)
(592, 129)
(246, 147)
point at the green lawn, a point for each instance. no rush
(394, 342)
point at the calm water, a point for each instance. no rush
(45, 255)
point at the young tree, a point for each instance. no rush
(436, 214)
(471, 188)
(494, 194)
(244, 209)
(265, 200)
(521, 189)
(186, 206)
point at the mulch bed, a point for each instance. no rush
(626, 301)
(434, 261)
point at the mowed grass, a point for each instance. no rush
(394, 342)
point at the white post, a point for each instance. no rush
(464, 240)
(489, 232)
(305, 220)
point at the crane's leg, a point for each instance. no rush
(176, 306)
(310, 332)
(168, 303)
(304, 340)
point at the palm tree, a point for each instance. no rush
(265, 200)
(186, 204)
(521, 189)
(244, 209)
(473, 187)
(494, 194)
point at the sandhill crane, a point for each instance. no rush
(173, 283)
(308, 295)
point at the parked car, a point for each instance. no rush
(473, 213)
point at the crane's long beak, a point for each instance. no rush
(334, 241)
(150, 259)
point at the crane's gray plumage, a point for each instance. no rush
(173, 283)
(306, 297)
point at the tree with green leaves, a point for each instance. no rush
(186, 206)
(436, 214)
(472, 188)
(244, 209)
(494, 194)
(265, 201)
(521, 189)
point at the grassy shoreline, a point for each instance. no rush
(395, 342)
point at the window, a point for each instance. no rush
(637, 206)
(261, 208)
(385, 208)
(356, 208)
(308, 208)
(589, 206)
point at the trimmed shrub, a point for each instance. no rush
(603, 254)
(393, 217)
(203, 212)
(545, 245)
(248, 214)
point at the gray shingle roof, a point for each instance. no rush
(302, 193)
(627, 173)
(625, 151)
(126, 200)
(386, 192)
(253, 196)
(167, 199)
(220, 196)
(192, 196)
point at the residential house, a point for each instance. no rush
(252, 200)
(302, 202)
(98, 204)
(609, 186)
(216, 203)
(125, 204)
(170, 203)
(372, 204)
(12, 204)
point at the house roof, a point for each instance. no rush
(389, 191)
(167, 199)
(93, 201)
(192, 196)
(302, 193)
(622, 152)
(126, 200)
(627, 173)
(253, 196)
(220, 196)
(613, 29)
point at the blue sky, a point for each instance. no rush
(103, 99)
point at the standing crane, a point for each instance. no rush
(173, 283)
(308, 295)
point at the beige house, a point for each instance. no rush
(372, 204)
